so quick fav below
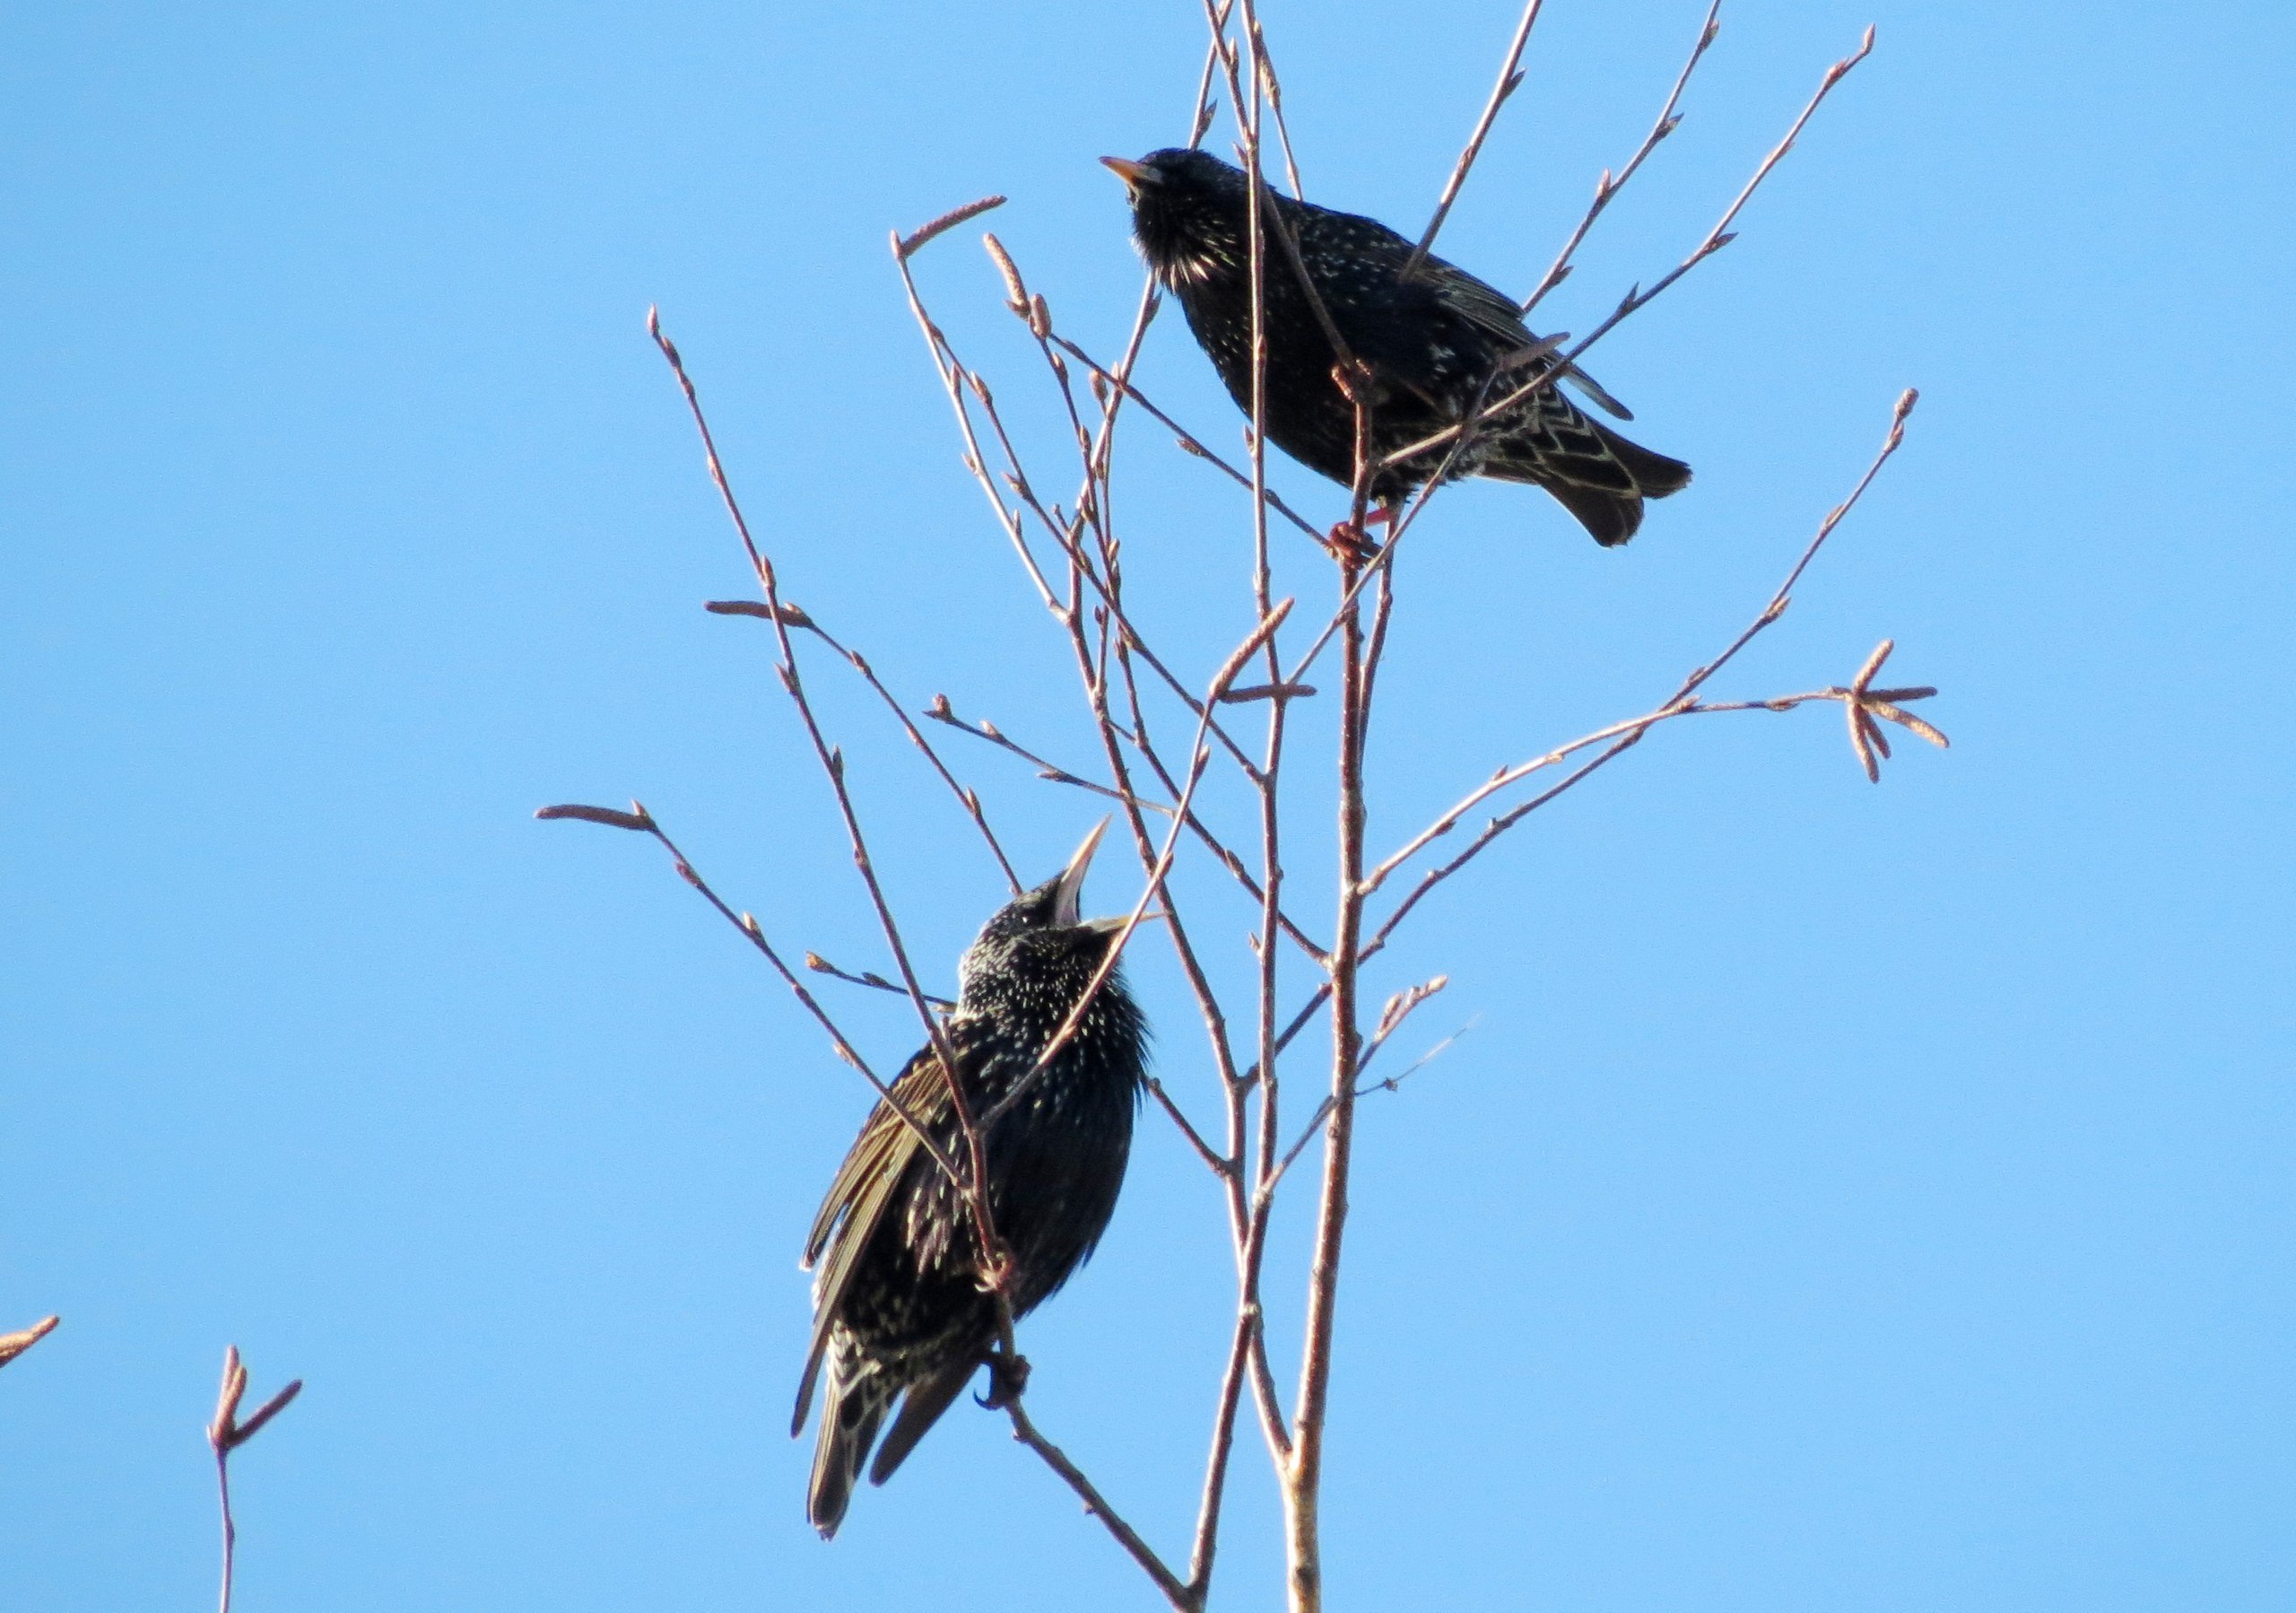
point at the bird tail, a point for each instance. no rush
(859, 1395)
(1599, 476)
(920, 1409)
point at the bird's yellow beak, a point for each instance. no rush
(1132, 174)
(1068, 895)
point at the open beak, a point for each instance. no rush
(1134, 174)
(1068, 895)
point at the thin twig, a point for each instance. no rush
(869, 978)
(1365, 1088)
(1623, 735)
(1154, 891)
(904, 245)
(1052, 773)
(12, 1345)
(1606, 189)
(640, 821)
(1721, 235)
(1167, 1581)
(1188, 441)
(1510, 79)
(832, 764)
(225, 1434)
(967, 798)
(1636, 298)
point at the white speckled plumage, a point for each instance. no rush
(1431, 342)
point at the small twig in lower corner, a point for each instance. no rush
(226, 1433)
(1179, 1595)
(12, 1345)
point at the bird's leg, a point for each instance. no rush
(1008, 1377)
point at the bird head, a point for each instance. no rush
(1043, 926)
(1189, 212)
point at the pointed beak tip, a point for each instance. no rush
(1132, 173)
(1070, 907)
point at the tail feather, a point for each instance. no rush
(1599, 476)
(920, 1409)
(1610, 517)
(1656, 475)
(856, 1405)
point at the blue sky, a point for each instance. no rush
(1843, 1197)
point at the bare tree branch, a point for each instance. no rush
(225, 1434)
(1606, 189)
(1621, 735)
(1510, 79)
(1179, 1595)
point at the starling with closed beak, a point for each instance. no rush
(1440, 347)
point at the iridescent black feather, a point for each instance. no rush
(899, 1311)
(1433, 343)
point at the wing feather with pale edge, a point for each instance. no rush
(862, 1189)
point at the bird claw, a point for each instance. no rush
(1350, 544)
(1008, 1379)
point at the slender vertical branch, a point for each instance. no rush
(1303, 1480)
(225, 1434)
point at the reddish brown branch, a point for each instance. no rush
(1624, 734)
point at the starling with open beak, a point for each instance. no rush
(900, 1310)
(1440, 344)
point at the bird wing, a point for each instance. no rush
(1495, 313)
(1484, 307)
(865, 1186)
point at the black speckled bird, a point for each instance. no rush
(899, 1311)
(1431, 344)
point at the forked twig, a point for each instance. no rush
(225, 1434)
